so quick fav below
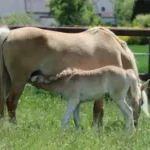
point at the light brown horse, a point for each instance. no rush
(29, 49)
(78, 86)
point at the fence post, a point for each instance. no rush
(149, 69)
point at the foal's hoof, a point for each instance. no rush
(12, 121)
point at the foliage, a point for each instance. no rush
(134, 40)
(73, 12)
(142, 21)
(123, 10)
(19, 19)
(137, 40)
(140, 7)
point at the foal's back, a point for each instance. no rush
(94, 83)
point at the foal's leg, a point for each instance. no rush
(126, 111)
(136, 111)
(72, 105)
(98, 113)
(76, 116)
(136, 108)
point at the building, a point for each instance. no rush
(103, 8)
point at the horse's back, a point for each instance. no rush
(38, 49)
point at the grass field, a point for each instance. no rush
(142, 61)
(39, 116)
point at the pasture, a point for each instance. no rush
(39, 124)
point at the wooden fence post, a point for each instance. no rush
(149, 70)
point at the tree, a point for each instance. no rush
(73, 12)
(140, 7)
(123, 10)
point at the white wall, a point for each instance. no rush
(37, 6)
(108, 4)
(8, 7)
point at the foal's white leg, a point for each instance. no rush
(72, 104)
(76, 116)
(127, 112)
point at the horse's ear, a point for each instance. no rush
(144, 86)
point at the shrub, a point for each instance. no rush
(142, 21)
(73, 12)
(135, 39)
(19, 19)
(123, 11)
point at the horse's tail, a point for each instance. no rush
(4, 32)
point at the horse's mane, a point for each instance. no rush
(96, 29)
(122, 43)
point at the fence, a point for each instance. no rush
(117, 31)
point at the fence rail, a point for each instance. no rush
(117, 31)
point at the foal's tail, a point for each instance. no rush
(4, 32)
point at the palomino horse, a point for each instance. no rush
(79, 86)
(29, 49)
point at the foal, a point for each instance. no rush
(79, 86)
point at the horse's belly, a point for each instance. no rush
(55, 64)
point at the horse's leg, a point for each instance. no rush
(76, 116)
(13, 97)
(136, 111)
(72, 105)
(98, 113)
(126, 111)
(7, 85)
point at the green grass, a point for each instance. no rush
(39, 117)
(142, 61)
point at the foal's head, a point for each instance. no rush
(138, 100)
(142, 102)
(144, 99)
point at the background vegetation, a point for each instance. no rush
(123, 11)
(74, 12)
(19, 19)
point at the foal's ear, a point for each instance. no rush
(144, 86)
